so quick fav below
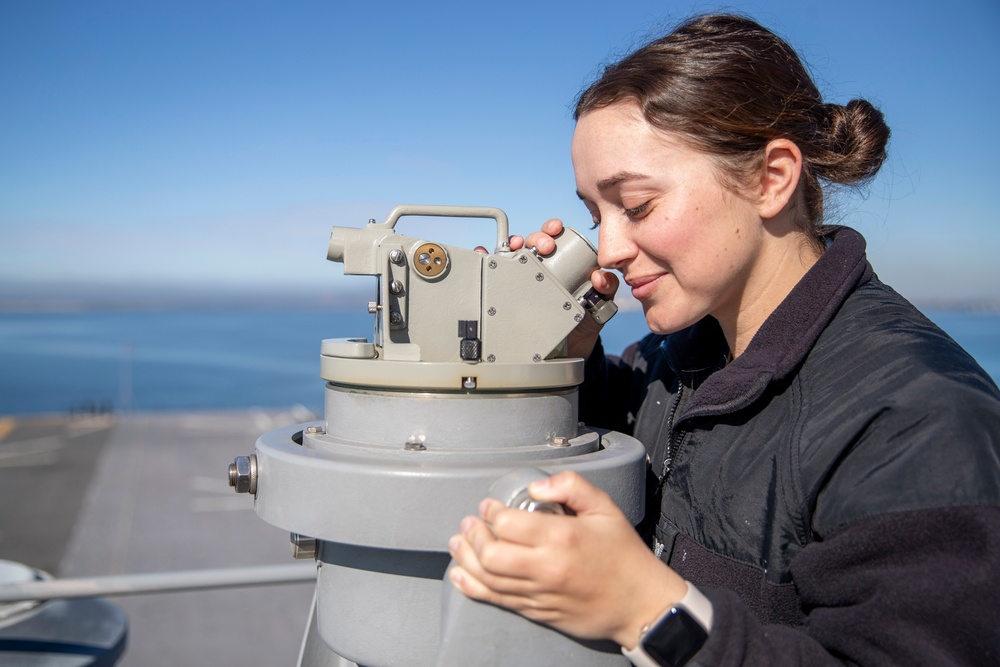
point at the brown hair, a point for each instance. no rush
(728, 86)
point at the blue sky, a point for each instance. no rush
(213, 144)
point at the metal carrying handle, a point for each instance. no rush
(503, 233)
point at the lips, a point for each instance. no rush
(643, 286)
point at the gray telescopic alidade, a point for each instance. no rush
(463, 392)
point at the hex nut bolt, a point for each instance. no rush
(243, 474)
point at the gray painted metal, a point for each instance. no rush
(378, 497)
(391, 418)
(463, 393)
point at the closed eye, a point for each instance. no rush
(637, 211)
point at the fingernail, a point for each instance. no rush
(453, 543)
(455, 574)
(538, 484)
(466, 524)
(484, 506)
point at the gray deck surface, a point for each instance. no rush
(149, 493)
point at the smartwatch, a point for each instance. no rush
(677, 635)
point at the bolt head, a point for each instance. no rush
(414, 445)
(243, 474)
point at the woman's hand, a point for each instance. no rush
(589, 575)
(583, 339)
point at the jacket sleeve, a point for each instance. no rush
(906, 588)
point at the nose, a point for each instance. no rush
(614, 247)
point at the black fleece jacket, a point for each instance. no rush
(835, 490)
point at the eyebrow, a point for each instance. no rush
(612, 181)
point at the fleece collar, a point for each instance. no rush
(783, 340)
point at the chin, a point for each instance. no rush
(665, 323)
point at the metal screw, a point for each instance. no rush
(395, 287)
(469, 382)
(491, 358)
(523, 259)
(396, 256)
(539, 277)
(567, 305)
(395, 317)
(492, 264)
(372, 307)
(536, 358)
(578, 317)
(491, 311)
(414, 445)
(534, 250)
(315, 430)
(560, 441)
(243, 474)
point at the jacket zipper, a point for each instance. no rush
(673, 439)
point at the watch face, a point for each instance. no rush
(675, 639)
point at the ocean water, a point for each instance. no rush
(101, 361)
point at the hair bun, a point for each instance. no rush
(856, 140)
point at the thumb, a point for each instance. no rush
(573, 491)
(605, 282)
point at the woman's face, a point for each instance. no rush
(685, 244)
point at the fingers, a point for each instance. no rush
(500, 523)
(552, 226)
(530, 606)
(493, 564)
(605, 282)
(541, 239)
(545, 244)
(573, 491)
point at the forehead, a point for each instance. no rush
(618, 137)
(622, 129)
(611, 122)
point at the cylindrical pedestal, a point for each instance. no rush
(385, 481)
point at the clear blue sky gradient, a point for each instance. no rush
(213, 144)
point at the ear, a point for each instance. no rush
(779, 176)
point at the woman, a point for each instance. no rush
(824, 478)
